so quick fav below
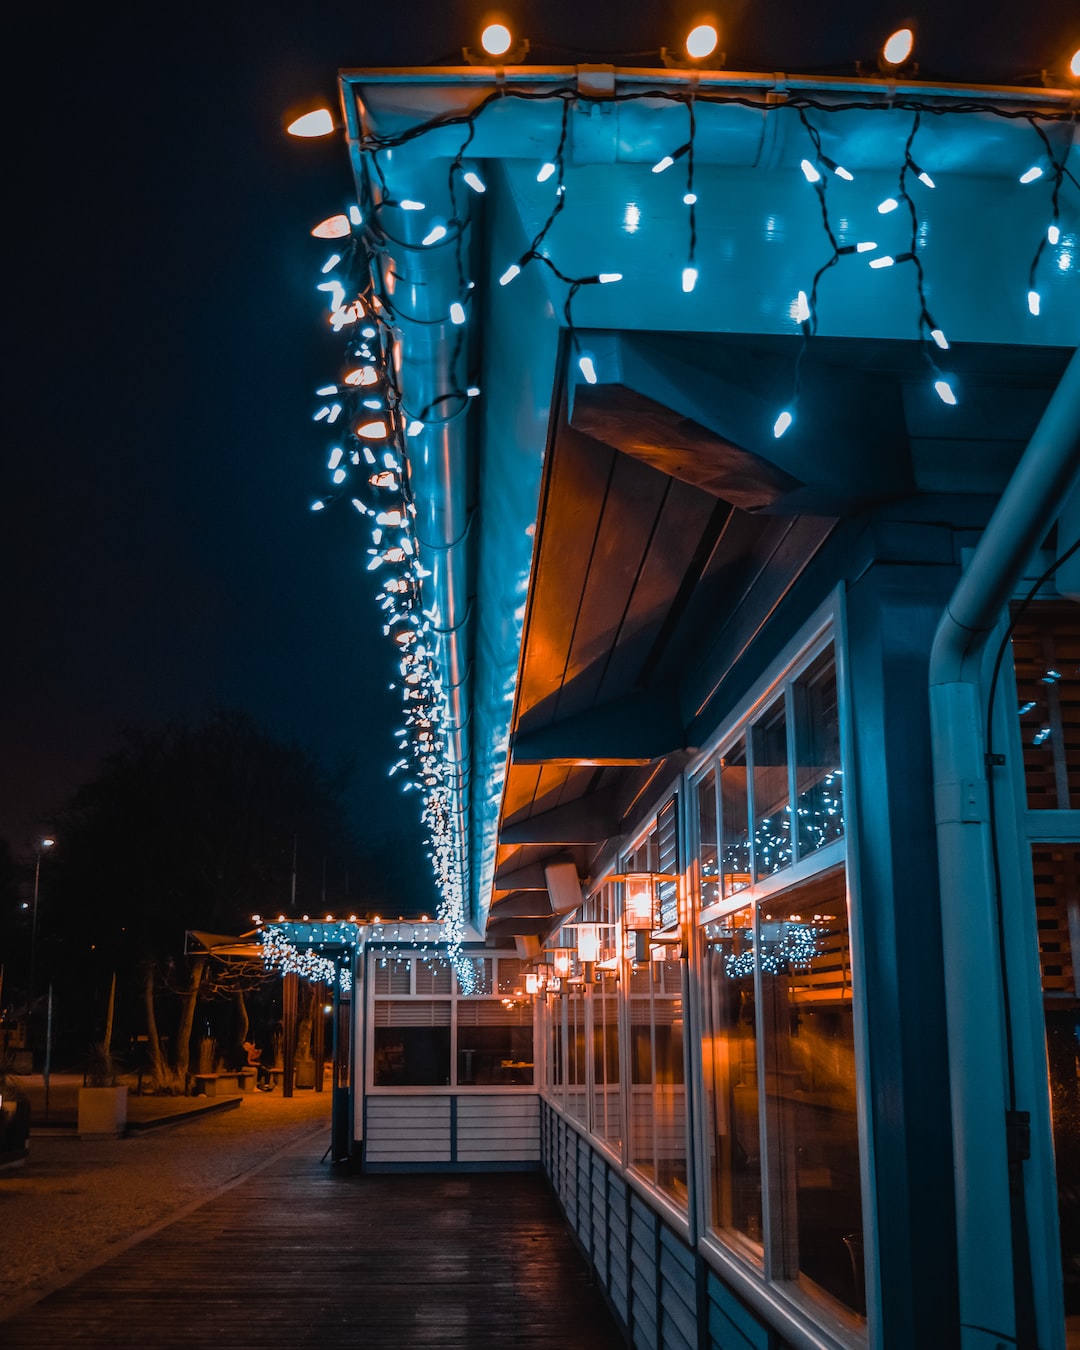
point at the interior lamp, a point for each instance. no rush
(561, 963)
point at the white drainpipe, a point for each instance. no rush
(974, 1003)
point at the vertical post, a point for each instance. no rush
(320, 1033)
(46, 1071)
(289, 983)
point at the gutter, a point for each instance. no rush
(975, 1007)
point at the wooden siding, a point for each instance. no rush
(448, 1130)
(660, 1291)
(303, 1254)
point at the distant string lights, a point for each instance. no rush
(368, 462)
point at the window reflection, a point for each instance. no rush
(772, 804)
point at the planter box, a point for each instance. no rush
(102, 1111)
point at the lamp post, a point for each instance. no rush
(39, 847)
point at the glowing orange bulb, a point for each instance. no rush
(1074, 65)
(333, 227)
(898, 46)
(496, 39)
(701, 41)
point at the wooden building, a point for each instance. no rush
(734, 426)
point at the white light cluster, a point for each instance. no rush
(280, 954)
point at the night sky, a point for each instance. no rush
(165, 339)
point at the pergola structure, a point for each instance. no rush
(679, 401)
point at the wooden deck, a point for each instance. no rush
(303, 1254)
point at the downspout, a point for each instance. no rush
(979, 1056)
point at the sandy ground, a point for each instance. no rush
(76, 1202)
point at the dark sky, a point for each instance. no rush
(156, 546)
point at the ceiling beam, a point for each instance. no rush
(634, 730)
(590, 820)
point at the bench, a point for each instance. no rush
(239, 1080)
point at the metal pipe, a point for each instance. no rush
(974, 993)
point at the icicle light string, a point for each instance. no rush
(1052, 234)
(360, 287)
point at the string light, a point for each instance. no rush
(360, 289)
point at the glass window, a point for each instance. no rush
(772, 804)
(1046, 652)
(412, 1043)
(481, 977)
(735, 820)
(708, 840)
(657, 1086)
(807, 1028)
(819, 798)
(729, 1057)
(607, 1095)
(577, 1100)
(494, 1043)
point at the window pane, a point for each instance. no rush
(657, 1088)
(412, 1044)
(734, 820)
(495, 1054)
(729, 1057)
(607, 1099)
(1057, 907)
(1046, 652)
(772, 809)
(708, 847)
(819, 806)
(576, 1087)
(813, 1148)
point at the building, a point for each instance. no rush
(719, 437)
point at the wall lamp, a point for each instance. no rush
(497, 41)
(700, 44)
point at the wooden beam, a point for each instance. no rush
(590, 820)
(633, 730)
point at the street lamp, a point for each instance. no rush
(39, 847)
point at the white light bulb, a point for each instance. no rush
(323, 412)
(369, 456)
(689, 279)
(510, 273)
(802, 308)
(335, 413)
(701, 41)
(336, 456)
(356, 215)
(898, 46)
(662, 164)
(496, 39)
(605, 277)
(318, 506)
(336, 291)
(317, 123)
(940, 338)
(884, 261)
(689, 198)
(1031, 174)
(809, 172)
(843, 173)
(409, 204)
(433, 235)
(587, 366)
(473, 391)
(457, 313)
(339, 476)
(889, 204)
(373, 431)
(1034, 301)
(1053, 234)
(414, 428)
(924, 177)
(331, 263)
(363, 375)
(326, 390)
(546, 170)
(867, 246)
(782, 423)
(944, 391)
(475, 181)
